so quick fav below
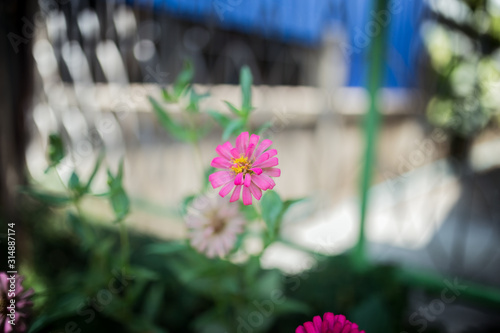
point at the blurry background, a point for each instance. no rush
(85, 69)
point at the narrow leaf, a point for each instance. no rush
(233, 108)
(168, 124)
(246, 89)
(221, 119)
(94, 172)
(55, 149)
(272, 207)
(234, 126)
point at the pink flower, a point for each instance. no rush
(248, 168)
(213, 225)
(330, 324)
(20, 298)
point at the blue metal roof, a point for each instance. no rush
(303, 22)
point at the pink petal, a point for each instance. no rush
(337, 327)
(254, 141)
(225, 150)
(248, 180)
(272, 172)
(269, 180)
(221, 163)
(310, 327)
(234, 153)
(261, 182)
(347, 328)
(236, 193)
(272, 152)
(226, 189)
(262, 158)
(317, 323)
(256, 191)
(242, 143)
(340, 319)
(256, 170)
(263, 146)
(247, 196)
(300, 329)
(250, 149)
(269, 163)
(238, 180)
(328, 318)
(220, 178)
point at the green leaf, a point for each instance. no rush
(373, 315)
(168, 124)
(233, 109)
(167, 97)
(94, 172)
(166, 248)
(51, 199)
(84, 234)
(120, 203)
(221, 119)
(234, 126)
(246, 89)
(292, 306)
(183, 79)
(194, 100)
(74, 182)
(272, 207)
(117, 195)
(55, 150)
(153, 301)
(291, 202)
(249, 212)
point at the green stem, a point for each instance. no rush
(125, 246)
(371, 128)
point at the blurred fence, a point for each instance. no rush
(96, 63)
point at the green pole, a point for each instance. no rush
(371, 120)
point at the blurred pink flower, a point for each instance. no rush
(21, 301)
(248, 168)
(214, 225)
(329, 324)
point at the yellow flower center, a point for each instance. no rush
(241, 165)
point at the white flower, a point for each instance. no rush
(214, 225)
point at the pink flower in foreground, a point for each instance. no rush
(20, 299)
(329, 324)
(248, 168)
(213, 225)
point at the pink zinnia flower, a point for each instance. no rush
(330, 324)
(248, 168)
(21, 302)
(214, 225)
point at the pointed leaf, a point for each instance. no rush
(55, 149)
(168, 124)
(183, 79)
(234, 126)
(74, 182)
(233, 108)
(94, 172)
(246, 89)
(51, 199)
(221, 119)
(165, 248)
(272, 207)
